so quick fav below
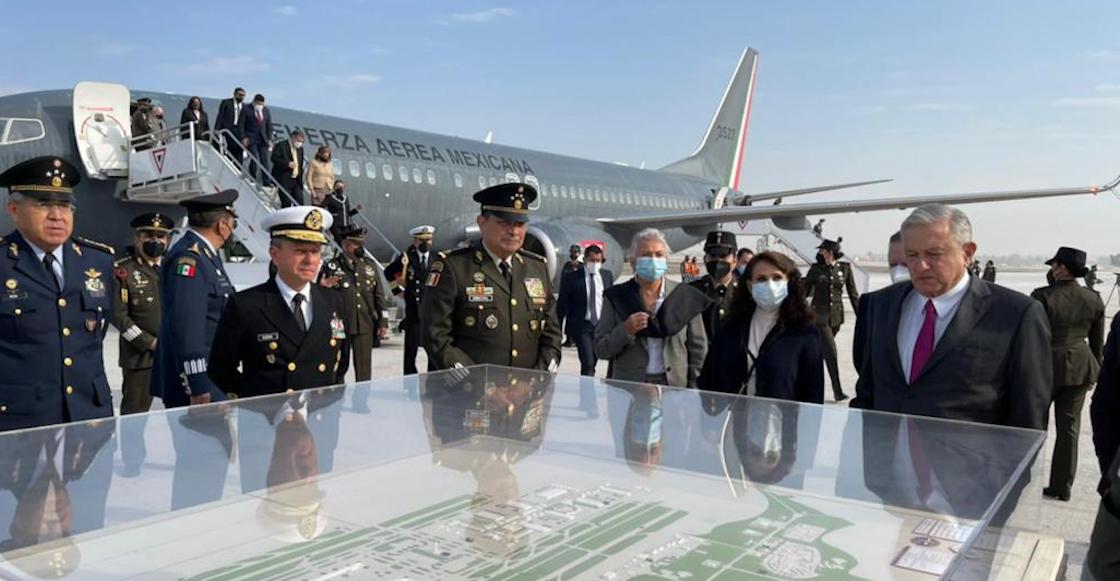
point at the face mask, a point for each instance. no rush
(153, 248)
(741, 269)
(299, 144)
(229, 239)
(645, 424)
(899, 274)
(768, 295)
(259, 107)
(594, 267)
(820, 259)
(423, 247)
(651, 268)
(239, 99)
(359, 252)
(717, 269)
(574, 256)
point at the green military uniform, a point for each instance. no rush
(1076, 317)
(473, 313)
(825, 286)
(718, 244)
(365, 304)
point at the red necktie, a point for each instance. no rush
(923, 347)
(260, 117)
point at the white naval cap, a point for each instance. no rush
(423, 232)
(302, 223)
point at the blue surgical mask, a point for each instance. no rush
(769, 294)
(651, 268)
(645, 424)
(741, 269)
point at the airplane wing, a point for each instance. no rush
(741, 213)
(751, 198)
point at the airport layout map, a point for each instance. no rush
(608, 531)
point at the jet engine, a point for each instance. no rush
(552, 239)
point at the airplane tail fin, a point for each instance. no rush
(720, 155)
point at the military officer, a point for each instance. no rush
(720, 282)
(492, 302)
(574, 262)
(1076, 317)
(193, 291)
(408, 272)
(56, 305)
(136, 316)
(824, 285)
(366, 306)
(285, 334)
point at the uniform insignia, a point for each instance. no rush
(124, 294)
(262, 337)
(13, 250)
(11, 283)
(94, 284)
(195, 249)
(270, 358)
(492, 321)
(478, 256)
(94, 244)
(469, 321)
(369, 271)
(121, 273)
(476, 421)
(480, 293)
(186, 269)
(77, 249)
(535, 288)
(436, 266)
(314, 220)
(433, 279)
(533, 325)
(338, 329)
(91, 325)
(478, 277)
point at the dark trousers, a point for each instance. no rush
(1068, 402)
(411, 344)
(136, 399)
(295, 188)
(585, 348)
(828, 343)
(362, 347)
(234, 151)
(255, 169)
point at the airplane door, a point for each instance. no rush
(103, 129)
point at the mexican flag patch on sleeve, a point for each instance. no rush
(187, 270)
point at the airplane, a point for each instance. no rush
(403, 177)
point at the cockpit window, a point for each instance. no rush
(20, 130)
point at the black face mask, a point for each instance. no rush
(359, 252)
(423, 246)
(718, 269)
(153, 248)
(820, 259)
(574, 256)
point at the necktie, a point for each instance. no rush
(423, 263)
(923, 347)
(506, 274)
(236, 112)
(48, 261)
(260, 116)
(592, 294)
(297, 310)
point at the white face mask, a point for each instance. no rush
(899, 274)
(770, 294)
(594, 267)
(259, 107)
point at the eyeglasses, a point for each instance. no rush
(46, 207)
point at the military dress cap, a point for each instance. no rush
(720, 240)
(575, 248)
(831, 245)
(153, 221)
(300, 223)
(508, 201)
(1072, 258)
(354, 232)
(222, 200)
(424, 232)
(47, 178)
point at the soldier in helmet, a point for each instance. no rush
(492, 302)
(720, 282)
(136, 316)
(407, 273)
(825, 284)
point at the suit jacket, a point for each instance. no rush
(259, 349)
(51, 343)
(1076, 317)
(1106, 400)
(258, 133)
(572, 304)
(281, 157)
(683, 352)
(224, 119)
(202, 125)
(789, 364)
(992, 364)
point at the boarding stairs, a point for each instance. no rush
(800, 243)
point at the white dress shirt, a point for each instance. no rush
(288, 293)
(594, 301)
(58, 253)
(497, 261)
(655, 346)
(913, 315)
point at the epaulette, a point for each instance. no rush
(95, 244)
(195, 248)
(457, 251)
(534, 255)
(121, 261)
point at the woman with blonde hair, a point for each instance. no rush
(320, 175)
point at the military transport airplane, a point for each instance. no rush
(404, 177)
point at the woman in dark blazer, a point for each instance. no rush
(783, 360)
(194, 113)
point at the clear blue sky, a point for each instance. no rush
(943, 96)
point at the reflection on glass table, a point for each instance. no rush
(500, 475)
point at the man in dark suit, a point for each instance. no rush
(256, 127)
(581, 302)
(949, 345)
(287, 168)
(406, 275)
(287, 333)
(230, 112)
(1076, 316)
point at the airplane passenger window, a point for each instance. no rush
(581, 196)
(512, 178)
(336, 166)
(387, 172)
(21, 130)
(355, 168)
(493, 181)
(614, 196)
(482, 182)
(555, 193)
(629, 198)
(598, 195)
(403, 173)
(431, 178)
(417, 175)
(458, 180)
(371, 170)
(563, 191)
